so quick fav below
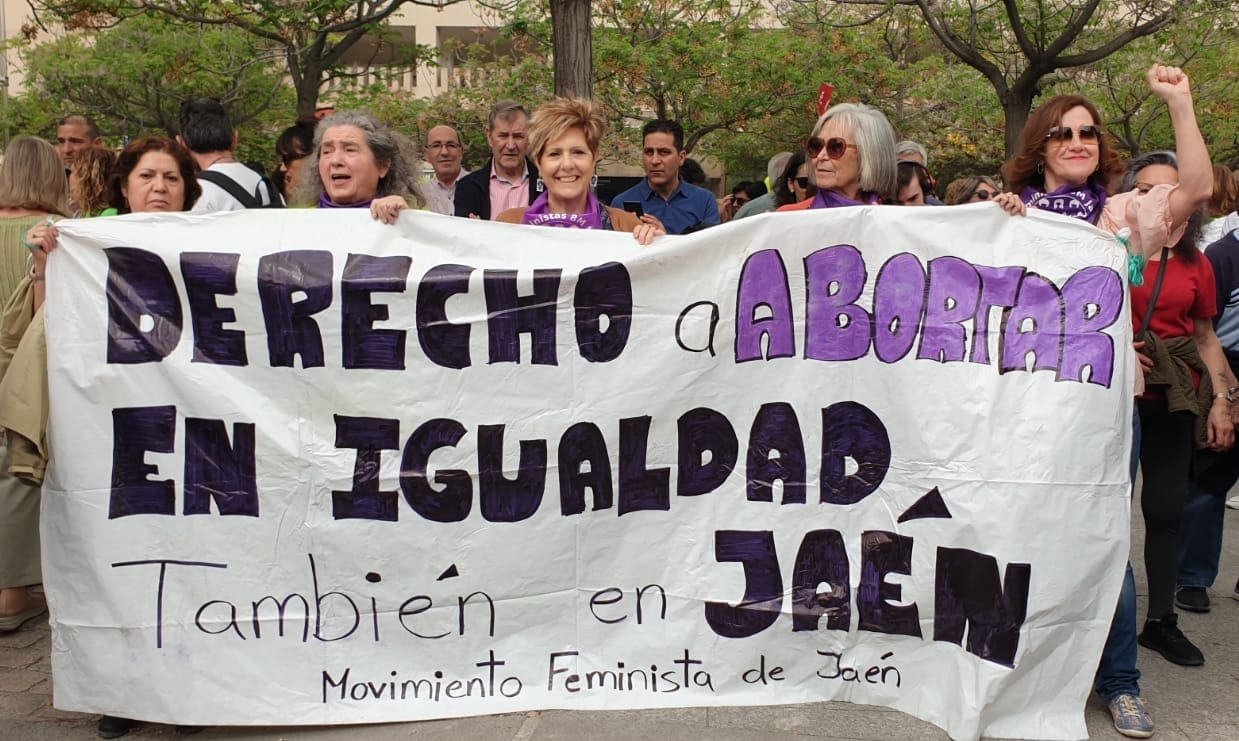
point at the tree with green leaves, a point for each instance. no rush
(311, 37)
(131, 79)
(1019, 46)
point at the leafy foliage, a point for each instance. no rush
(131, 79)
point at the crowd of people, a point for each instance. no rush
(1175, 211)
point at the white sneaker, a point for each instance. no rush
(1233, 502)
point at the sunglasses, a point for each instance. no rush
(1065, 134)
(982, 195)
(802, 180)
(835, 147)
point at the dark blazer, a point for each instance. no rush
(473, 190)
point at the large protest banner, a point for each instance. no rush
(311, 469)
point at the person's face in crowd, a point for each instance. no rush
(911, 194)
(155, 184)
(567, 167)
(661, 159)
(841, 174)
(1154, 175)
(984, 192)
(443, 152)
(1072, 149)
(509, 139)
(347, 166)
(70, 138)
(800, 183)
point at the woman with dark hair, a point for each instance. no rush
(793, 185)
(1063, 164)
(154, 173)
(294, 145)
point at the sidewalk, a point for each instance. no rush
(1187, 704)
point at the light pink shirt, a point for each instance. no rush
(505, 194)
(441, 198)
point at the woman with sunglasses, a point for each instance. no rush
(1063, 164)
(852, 158)
(972, 189)
(793, 185)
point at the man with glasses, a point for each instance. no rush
(444, 153)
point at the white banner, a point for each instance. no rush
(310, 469)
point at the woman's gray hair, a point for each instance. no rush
(875, 143)
(389, 147)
(1135, 165)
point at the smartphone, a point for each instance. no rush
(634, 207)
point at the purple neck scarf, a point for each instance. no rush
(831, 199)
(539, 215)
(325, 202)
(1077, 201)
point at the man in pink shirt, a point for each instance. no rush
(507, 179)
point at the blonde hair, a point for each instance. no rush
(33, 177)
(556, 117)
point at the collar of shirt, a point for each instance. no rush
(651, 193)
(494, 175)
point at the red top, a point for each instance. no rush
(1188, 293)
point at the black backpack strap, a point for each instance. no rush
(1157, 289)
(231, 187)
(275, 199)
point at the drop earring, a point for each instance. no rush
(538, 186)
(593, 182)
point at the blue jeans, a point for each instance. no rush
(1200, 542)
(1117, 673)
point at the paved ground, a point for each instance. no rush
(1188, 704)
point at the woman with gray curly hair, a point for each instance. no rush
(359, 162)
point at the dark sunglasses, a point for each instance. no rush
(1065, 134)
(802, 180)
(983, 195)
(835, 147)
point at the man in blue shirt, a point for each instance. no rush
(678, 205)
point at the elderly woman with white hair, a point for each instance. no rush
(852, 159)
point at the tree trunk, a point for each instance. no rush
(574, 48)
(1016, 108)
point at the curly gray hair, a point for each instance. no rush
(389, 147)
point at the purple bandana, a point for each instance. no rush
(538, 215)
(325, 202)
(1077, 201)
(831, 199)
